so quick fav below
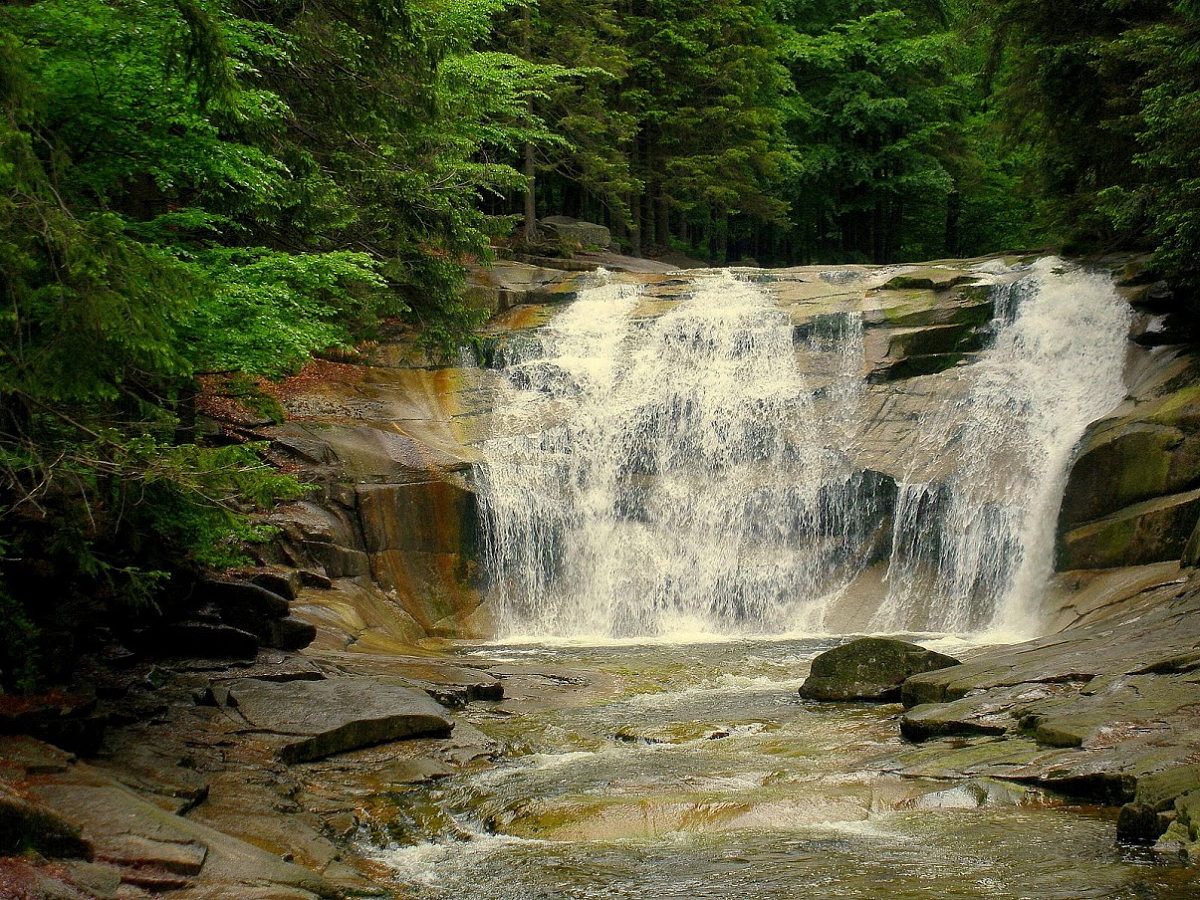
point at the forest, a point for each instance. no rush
(196, 195)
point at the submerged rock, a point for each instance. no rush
(869, 669)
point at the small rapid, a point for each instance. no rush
(703, 464)
(695, 770)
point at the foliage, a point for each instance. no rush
(202, 186)
(1104, 95)
(199, 189)
(876, 98)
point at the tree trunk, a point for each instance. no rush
(662, 229)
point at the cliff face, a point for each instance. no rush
(391, 541)
(395, 529)
(388, 543)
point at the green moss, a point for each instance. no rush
(946, 760)
(1180, 410)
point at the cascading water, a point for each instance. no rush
(682, 466)
(984, 537)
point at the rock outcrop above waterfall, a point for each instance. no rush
(576, 231)
(870, 669)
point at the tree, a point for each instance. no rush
(876, 98)
(190, 187)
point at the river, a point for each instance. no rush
(694, 770)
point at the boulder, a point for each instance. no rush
(320, 718)
(870, 669)
(576, 231)
(1127, 463)
(288, 633)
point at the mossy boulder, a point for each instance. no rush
(575, 231)
(929, 279)
(1126, 463)
(869, 669)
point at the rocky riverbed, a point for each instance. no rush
(270, 776)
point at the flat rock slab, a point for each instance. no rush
(449, 683)
(321, 718)
(153, 849)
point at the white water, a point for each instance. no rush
(694, 471)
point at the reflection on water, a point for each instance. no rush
(695, 771)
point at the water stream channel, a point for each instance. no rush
(695, 771)
(684, 500)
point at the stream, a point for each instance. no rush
(694, 770)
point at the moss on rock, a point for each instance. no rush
(871, 669)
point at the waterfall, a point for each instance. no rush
(676, 466)
(987, 550)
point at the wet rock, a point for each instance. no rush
(1131, 496)
(253, 599)
(506, 284)
(914, 367)
(352, 615)
(288, 633)
(934, 339)
(21, 755)
(1122, 463)
(25, 825)
(448, 683)
(1105, 711)
(72, 721)
(156, 850)
(936, 720)
(431, 516)
(929, 279)
(99, 881)
(1155, 530)
(315, 719)
(139, 852)
(1186, 827)
(338, 561)
(1152, 809)
(870, 669)
(318, 580)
